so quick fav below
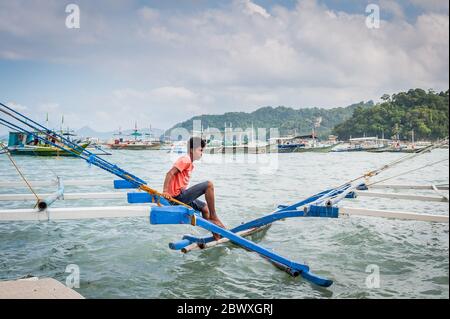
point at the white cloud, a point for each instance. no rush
(260, 99)
(392, 7)
(148, 14)
(129, 93)
(432, 5)
(173, 93)
(234, 57)
(167, 92)
(11, 55)
(253, 8)
(17, 107)
(161, 107)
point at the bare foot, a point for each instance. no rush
(217, 222)
(216, 236)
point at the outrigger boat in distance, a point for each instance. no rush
(361, 144)
(178, 147)
(301, 144)
(135, 144)
(29, 144)
(401, 147)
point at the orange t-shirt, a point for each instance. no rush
(181, 180)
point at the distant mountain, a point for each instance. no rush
(86, 131)
(286, 119)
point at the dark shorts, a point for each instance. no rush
(189, 196)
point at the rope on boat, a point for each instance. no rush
(152, 191)
(38, 200)
(377, 171)
(407, 172)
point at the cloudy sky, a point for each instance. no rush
(161, 62)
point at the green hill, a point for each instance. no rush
(286, 119)
(425, 113)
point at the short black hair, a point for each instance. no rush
(195, 142)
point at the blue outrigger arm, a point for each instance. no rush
(304, 208)
(310, 207)
(184, 215)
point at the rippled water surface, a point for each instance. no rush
(129, 258)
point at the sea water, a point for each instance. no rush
(367, 257)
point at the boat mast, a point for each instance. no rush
(150, 134)
(253, 132)
(135, 131)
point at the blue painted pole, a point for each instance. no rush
(287, 212)
(292, 267)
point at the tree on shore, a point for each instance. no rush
(425, 113)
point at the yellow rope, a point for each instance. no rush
(152, 191)
(20, 173)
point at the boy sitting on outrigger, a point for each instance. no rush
(177, 180)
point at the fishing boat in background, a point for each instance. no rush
(21, 143)
(213, 146)
(137, 143)
(301, 144)
(396, 145)
(235, 141)
(361, 144)
(178, 147)
(253, 147)
(288, 144)
(41, 144)
(305, 143)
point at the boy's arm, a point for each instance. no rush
(170, 174)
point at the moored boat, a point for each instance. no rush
(134, 144)
(361, 144)
(302, 144)
(27, 144)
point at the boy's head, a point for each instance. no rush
(195, 147)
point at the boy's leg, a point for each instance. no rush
(210, 199)
(190, 196)
(192, 193)
(201, 206)
(205, 212)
